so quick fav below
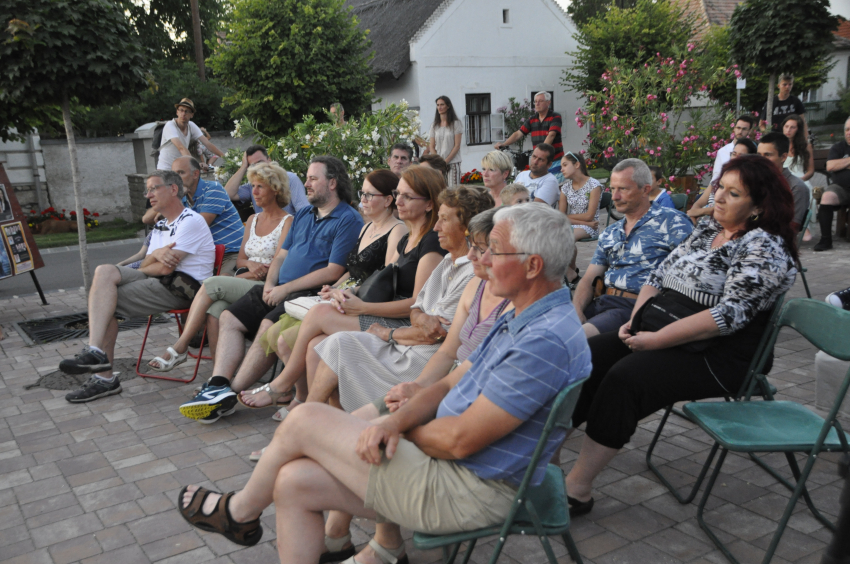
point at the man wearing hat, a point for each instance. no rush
(179, 133)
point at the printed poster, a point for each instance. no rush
(5, 263)
(19, 251)
(6, 213)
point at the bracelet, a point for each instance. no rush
(390, 340)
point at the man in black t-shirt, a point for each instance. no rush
(783, 105)
(838, 193)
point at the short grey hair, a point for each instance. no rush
(641, 175)
(482, 224)
(537, 229)
(546, 95)
(169, 177)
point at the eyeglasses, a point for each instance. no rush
(473, 247)
(368, 195)
(405, 198)
(152, 188)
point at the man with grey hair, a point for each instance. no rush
(545, 127)
(468, 437)
(180, 257)
(628, 250)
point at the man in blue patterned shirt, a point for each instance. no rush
(628, 250)
(209, 199)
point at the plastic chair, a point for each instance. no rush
(800, 268)
(680, 201)
(219, 258)
(746, 388)
(781, 426)
(542, 512)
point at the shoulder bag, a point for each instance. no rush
(665, 308)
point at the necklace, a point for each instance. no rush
(377, 230)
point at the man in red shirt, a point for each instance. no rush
(545, 127)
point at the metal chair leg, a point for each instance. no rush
(701, 509)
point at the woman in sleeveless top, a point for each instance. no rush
(801, 159)
(261, 241)
(580, 197)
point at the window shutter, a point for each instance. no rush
(466, 128)
(497, 127)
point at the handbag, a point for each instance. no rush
(665, 308)
(181, 285)
(380, 286)
(299, 307)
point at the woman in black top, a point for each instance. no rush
(418, 254)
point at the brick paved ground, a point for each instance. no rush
(96, 483)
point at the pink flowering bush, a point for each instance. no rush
(660, 112)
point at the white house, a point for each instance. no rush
(479, 53)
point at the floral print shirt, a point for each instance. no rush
(737, 280)
(631, 259)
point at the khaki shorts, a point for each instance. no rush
(840, 191)
(140, 295)
(224, 290)
(435, 496)
(228, 264)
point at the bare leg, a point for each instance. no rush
(256, 362)
(212, 333)
(193, 323)
(324, 383)
(592, 459)
(283, 350)
(103, 299)
(313, 358)
(231, 345)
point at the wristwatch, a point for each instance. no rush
(391, 340)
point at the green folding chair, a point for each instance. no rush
(680, 201)
(751, 380)
(781, 426)
(800, 268)
(540, 510)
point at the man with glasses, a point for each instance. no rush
(181, 252)
(313, 254)
(628, 250)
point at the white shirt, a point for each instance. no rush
(544, 187)
(193, 236)
(167, 151)
(724, 155)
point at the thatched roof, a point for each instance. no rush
(392, 24)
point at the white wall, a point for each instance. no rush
(837, 77)
(469, 50)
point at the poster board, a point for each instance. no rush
(18, 251)
(16, 216)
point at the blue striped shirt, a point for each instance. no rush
(226, 228)
(521, 366)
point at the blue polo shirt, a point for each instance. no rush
(313, 242)
(297, 195)
(226, 228)
(521, 366)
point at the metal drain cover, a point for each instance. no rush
(75, 326)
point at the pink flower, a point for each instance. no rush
(614, 118)
(691, 47)
(651, 152)
(672, 178)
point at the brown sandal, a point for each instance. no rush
(219, 521)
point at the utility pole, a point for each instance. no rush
(199, 41)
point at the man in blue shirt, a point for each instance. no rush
(314, 253)
(458, 471)
(239, 192)
(209, 199)
(628, 250)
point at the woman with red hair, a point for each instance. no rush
(726, 277)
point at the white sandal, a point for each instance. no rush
(281, 413)
(253, 457)
(168, 365)
(384, 554)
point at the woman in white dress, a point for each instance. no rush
(445, 135)
(580, 196)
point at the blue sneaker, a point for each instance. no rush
(211, 404)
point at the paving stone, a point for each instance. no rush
(121, 513)
(157, 527)
(171, 546)
(635, 522)
(13, 479)
(634, 489)
(35, 491)
(682, 547)
(82, 464)
(66, 529)
(74, 549)
(34, 557)
(109, 497)
(13, 535)
(146, 470)
(636, 553)
(600, 544)
(126, 555)
(18, 549)
(114, 537)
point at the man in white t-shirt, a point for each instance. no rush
(741, 129)
(180, 256)
(179, 133)
(541, 184)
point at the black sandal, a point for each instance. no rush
(578, 508)
(219, 521)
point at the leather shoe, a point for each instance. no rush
(578, 508)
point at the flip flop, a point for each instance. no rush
(385, 555)
(168, 365)
(256, 457)
(281, 413)
(278, 398)
(219, 521)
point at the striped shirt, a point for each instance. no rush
(540, 130)
(521, 366)
(226, 228)
(441, 293)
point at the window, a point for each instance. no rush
(477, 119)
(506, 17)
(551, 102)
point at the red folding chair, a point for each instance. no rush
(219, 258)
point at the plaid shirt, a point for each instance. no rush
(540, 129)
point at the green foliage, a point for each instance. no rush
(516, 114)
(168, 84)
(290, 58)
(582, 11)
(646, 113)
(633, 35)
(83, 49)
(363, 144)
(165, 26)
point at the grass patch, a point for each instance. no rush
(106, 231)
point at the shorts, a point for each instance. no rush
(840, 191)
(226, 290)
(435, 496)
(381, 405)
(609, 313)
(140, 295)
(251, 310)
(228, 263)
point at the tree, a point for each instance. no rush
(633, 35)
(582, 11)
(165, 26)
(54, 51)
(290, 58)
(775, 36)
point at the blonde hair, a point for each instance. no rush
(508, 192)
(497, 159)
(275, 177)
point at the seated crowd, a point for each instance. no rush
(434, 336)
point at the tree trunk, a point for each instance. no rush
(78, 200)
(771, 85)
(199, 40)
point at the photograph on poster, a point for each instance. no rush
(19, 251)
(5, 263)
(6, 213)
